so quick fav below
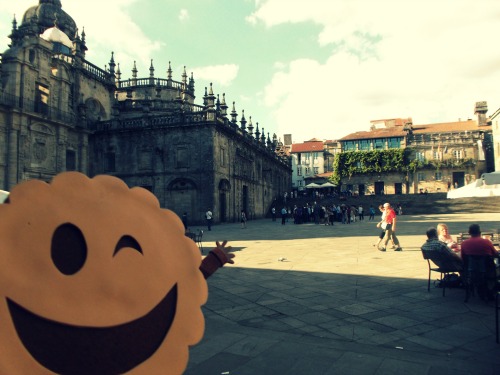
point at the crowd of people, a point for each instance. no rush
(326, 214)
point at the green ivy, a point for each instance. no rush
(348, 163)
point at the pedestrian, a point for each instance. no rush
(361, 213)
(316, 213)
(283, 215)
(273, 213)
(332, 213)
(372, 213)
(381, 224)
(390, 228)
(209, 217)
(243, 219)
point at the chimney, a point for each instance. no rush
(288, 139)
(480, 111)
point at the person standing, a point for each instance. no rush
(273, 213)
(283, 215)
(361, 213)
(316, 213)
(390, 228)
(209, 217)
(372, 213)
(243, 219)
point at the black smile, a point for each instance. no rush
(67, 349)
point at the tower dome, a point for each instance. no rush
(60, 41)
(46, 13)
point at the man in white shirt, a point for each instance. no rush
(209, 217)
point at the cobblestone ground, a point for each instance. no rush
(316, 299)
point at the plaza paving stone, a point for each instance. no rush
(315, 299)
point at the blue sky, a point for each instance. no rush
(314, 69)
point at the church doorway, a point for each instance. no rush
(224, 189)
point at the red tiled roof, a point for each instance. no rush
(398, 131)
(449, 127)
(376, 133)
(307, 147)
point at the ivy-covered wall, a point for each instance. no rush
(347, 164)
(399, 166)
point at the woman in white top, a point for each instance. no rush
(444, 236)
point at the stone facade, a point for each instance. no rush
(444, 155)
(60, 112)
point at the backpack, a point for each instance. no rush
(450, 280)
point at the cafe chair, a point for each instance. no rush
(198, 238)
(431, 256)
(479, 271)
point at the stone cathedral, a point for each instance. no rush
(60, 112)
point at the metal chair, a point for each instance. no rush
(479, 275)
(198, 238)
(443, 271)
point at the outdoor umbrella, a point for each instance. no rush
(327, 184)
(312, 185)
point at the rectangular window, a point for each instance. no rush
(42, 99)
(437, 155)
(316, 170)
(421, 176)
(70, 160)
(349, 146)
(315, 155)
(420, 156)
(457, 154)
(182, 157)
(222, 157)
(109, 162)
(438, 176)
(299, 171)
(145, 160)
(394, 142)
(308, 171)
(379, 144)
(364, 145)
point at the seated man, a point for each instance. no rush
(442, 255)
(477, 246)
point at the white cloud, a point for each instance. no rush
(218, 74)
(430, 60)
(108, 27)
(183, 15)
